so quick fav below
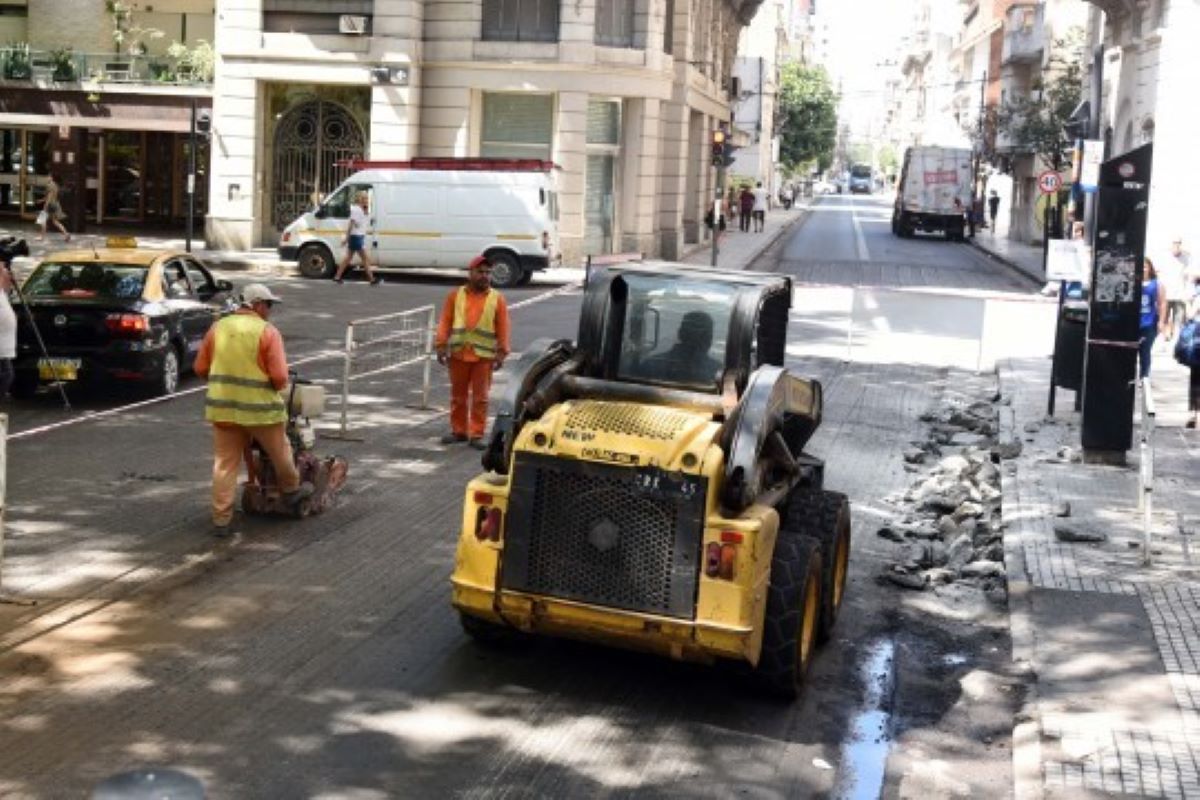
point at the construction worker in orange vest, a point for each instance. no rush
(472, 340)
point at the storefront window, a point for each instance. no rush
(517, 126)
(122, 175)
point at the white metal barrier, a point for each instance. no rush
(1146, 465)
(375, 345)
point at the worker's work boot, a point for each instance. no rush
(452, 438)
(302, 493)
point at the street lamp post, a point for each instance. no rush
(191, 179)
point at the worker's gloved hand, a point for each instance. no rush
(441, 356)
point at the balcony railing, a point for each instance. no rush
(1024, 34)
(20, 63)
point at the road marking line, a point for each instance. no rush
(859, 242)
(95, 415)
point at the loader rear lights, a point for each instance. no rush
(132, 325)
(719, 560)
(488, 522)
(483, 499)
(732, 537)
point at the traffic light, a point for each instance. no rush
(718, 148)
(722, 149)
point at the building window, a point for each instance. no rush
(614, 23)
(520, 20)
(669, 28)
(517, 126)
(603, 153)
(318, 16)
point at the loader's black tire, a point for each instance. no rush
(793, 616)
(489, 633)
(824, 516)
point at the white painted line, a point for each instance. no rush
(111, 412)
(859, 242)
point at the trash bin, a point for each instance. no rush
(1070, 344)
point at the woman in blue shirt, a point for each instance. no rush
(1154, 313)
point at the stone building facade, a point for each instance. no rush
(621, 94)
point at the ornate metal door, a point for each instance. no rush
(309, 141)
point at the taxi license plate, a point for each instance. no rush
(62, 369)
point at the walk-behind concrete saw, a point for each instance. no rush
(260, 492)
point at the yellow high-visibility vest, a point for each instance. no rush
(482, 337)
(239, 391)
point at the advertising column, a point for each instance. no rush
(1110, 364)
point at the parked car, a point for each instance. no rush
(438, 212)
(120, 314)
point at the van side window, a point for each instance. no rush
(338, 204)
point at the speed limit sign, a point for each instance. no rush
(1049, 182)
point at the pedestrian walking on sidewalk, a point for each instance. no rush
(1172, 277)
(1191, 272)
(243, 360)
(51, 213)
(1193, 318)
(746, 208)
(472, 341)
(993, 208)
(355, 240)
(760, 207)
(1153, 316)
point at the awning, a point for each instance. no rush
(112, 111)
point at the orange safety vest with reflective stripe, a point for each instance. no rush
(481, 338)
(239, 390)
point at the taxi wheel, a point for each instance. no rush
(315, 262)
(167, 380)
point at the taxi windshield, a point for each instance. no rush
(88, 280)
(676, 335)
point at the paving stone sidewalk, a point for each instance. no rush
(1112, 645)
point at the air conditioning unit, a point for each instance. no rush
(353, 24)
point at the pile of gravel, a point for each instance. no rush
(948, 527)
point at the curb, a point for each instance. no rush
(1027, 726)
(767, 243)
(1012, 265)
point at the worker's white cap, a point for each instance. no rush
(256, 292)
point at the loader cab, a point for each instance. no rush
(685, 328)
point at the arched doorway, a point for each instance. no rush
(310, 139)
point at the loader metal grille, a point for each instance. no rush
(630, 419)
(610, 536)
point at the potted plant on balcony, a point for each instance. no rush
(63, 61)
(16, 62)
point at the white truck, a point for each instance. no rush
(440, 213)
(934, 192)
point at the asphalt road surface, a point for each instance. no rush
(322, 658)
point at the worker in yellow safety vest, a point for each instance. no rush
(243, 360)
(472, 340)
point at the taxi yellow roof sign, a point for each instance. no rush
(115, 242)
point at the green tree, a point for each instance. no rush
(807, 117)
(888, 160)
(1035, 122)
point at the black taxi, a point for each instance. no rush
(117, 314)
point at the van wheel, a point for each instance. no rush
(506, 271)
(526, 277)
(315, 262)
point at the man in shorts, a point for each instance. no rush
(1175, 276)
(356, 240)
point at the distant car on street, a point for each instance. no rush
(861, 179)
(119, 314)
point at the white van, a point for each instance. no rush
(438, 213)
